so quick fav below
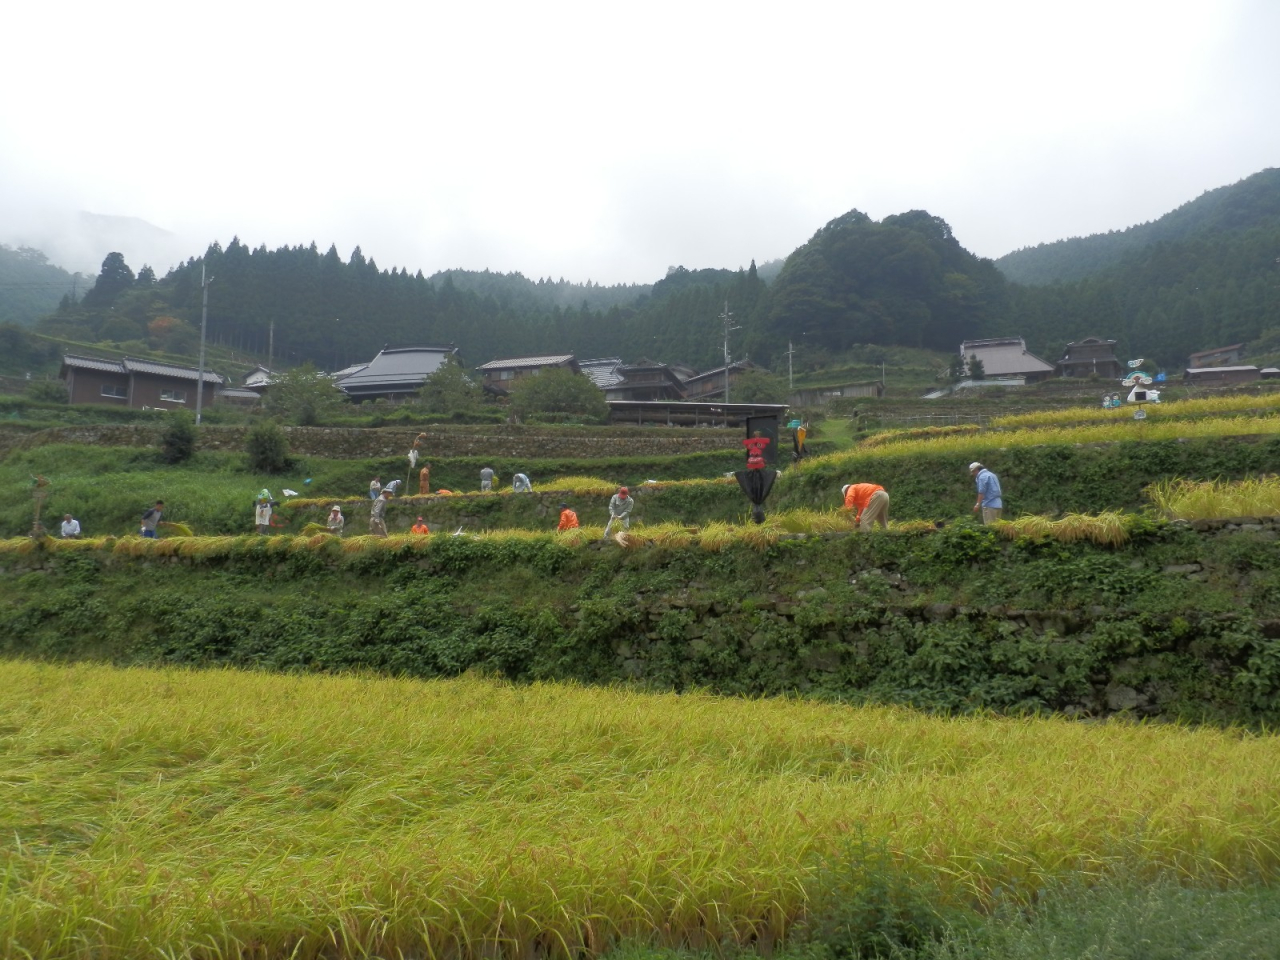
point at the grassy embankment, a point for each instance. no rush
(225, 814)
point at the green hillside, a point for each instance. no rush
(1251, 203)
(31, 286)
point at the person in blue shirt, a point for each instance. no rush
(989, 497)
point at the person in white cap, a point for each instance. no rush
(989, 496)
(336, 521)
(869, 503)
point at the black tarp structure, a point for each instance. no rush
(756, 484)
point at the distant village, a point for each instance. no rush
(642, 392)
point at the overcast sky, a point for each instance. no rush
(603, 142)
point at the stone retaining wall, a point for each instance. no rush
(347, 443)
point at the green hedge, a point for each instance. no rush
(955, 620)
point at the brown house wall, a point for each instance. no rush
(147, 389)
(491, 377)
(85, 386)
(1224, 377)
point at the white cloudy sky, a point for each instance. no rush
(607, 142)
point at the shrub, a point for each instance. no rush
(559, 391)
(268, 448)
(449, 391)
(48, 391)
(305, 397)
(178, 441)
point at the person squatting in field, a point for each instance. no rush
(568, 519)
(336, 521)
(520, 484)
(620, 505)
(871, 503)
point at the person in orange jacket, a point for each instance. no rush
(568, 519)
(420, 527)
(871, 503)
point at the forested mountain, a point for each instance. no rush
(1165, 302)
(902, 281)
(1205, 275)
(30, 286)
(335, 313)
(518, 292)
(1253, 202)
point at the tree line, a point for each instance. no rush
(1204, 276)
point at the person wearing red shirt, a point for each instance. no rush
(568, 519)
(871, 503)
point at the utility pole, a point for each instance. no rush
(727, 317)
(791, 378)
(271, 343)
(204, 323)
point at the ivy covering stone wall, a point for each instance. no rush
(1179, 623)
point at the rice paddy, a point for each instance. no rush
(1202, 407)
(1108, 529)
(1216, 499)
(227, 814)
(1127, 430)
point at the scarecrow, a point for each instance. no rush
(757, 480)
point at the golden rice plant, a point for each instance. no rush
(578, 536)
(758, 536)
(1181, 499)
(716, 536)
(1108, 529)
(917, 433)
(695, 482)
(513, 533)
(802, 520)
(1207, 406)
(133, 546)
(669, 534)
(969, 447)
(175, 529)
(361, 543)
(583, 486)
